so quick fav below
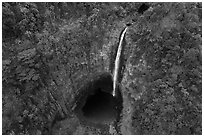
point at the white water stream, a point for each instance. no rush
(117, 62)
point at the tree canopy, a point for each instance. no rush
(48, 48)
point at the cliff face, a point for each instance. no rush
(160, 72)
(161, 81)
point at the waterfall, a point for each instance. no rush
(117, 62)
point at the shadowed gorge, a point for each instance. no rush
(98, 106)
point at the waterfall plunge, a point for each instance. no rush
(117, 62)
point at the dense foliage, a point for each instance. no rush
(48, 47)
(165, 71)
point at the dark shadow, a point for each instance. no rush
(143, 8)
(96, 105)
(100, 107)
